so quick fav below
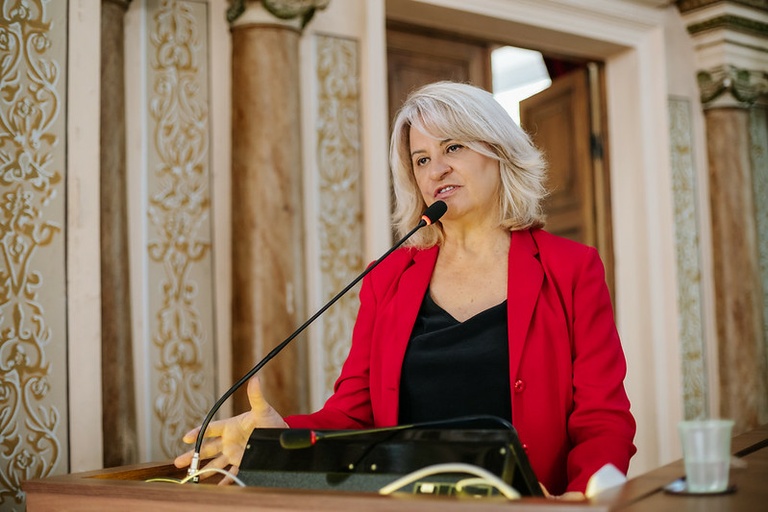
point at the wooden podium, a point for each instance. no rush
(126, 489)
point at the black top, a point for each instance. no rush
(453, 368)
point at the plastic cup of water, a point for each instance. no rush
(707, 454)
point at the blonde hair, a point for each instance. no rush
(471, 116)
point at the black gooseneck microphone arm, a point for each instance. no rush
(431, 215)
(297, 438)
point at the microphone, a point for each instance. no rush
(298, 438)
(431, 215)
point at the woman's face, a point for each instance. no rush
(447, 170)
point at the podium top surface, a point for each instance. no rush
(126, 488)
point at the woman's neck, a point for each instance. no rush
(475, 240)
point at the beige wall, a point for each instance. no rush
(693, 227)
(83, 288)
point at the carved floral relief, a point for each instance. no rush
(339, 167)
(178, 210)
(32, 258)
(694, 361)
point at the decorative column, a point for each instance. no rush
(118, 399)
(727, 36)
(267, 232)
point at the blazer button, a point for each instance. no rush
(519, 386)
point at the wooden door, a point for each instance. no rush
(415, 59)
(564, 122)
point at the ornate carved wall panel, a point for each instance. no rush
(179, 282)
(695, 394)
(340, 197)
(33, 343)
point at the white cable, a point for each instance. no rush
(194, 465)
(224, 472)
(504, 488)
(164, 480)
(467, 482)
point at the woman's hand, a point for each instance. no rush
(567, 496)
(226, 439)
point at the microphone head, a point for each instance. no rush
(433, 213)
(297, 438)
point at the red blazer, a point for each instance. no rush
(566, 363)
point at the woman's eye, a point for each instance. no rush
(452, 148)
(421, 161)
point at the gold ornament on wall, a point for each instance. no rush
(340, 190)
(178, 210)
(32, 371)
(688, 248)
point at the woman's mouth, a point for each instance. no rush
(445, 191)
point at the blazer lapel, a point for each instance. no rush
(525, 277)
(406, 304)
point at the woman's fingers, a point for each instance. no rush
(571, 496)
(233, 470)
(211, 448)
(568, 496)
(263, 414)
(219, 462)
(256, 398)
(183, 460)
(215, 429)
(234, 452)
(191, 436)
(226, 439)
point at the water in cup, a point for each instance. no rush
(706, 476)
(707, 454)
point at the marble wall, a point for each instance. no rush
(758, 135)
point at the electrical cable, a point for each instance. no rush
(484, 475)
(197, 473)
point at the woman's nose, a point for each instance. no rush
(440, 168)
